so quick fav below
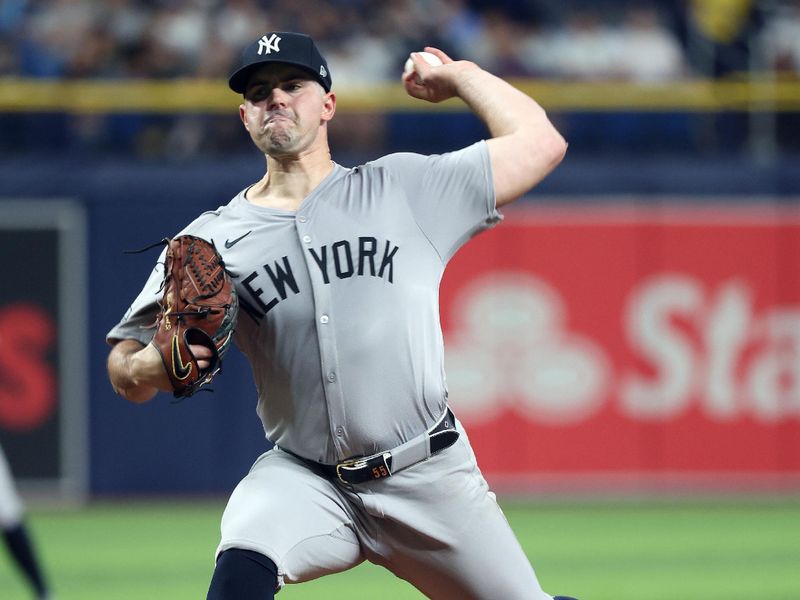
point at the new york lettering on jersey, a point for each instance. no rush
(365, 257)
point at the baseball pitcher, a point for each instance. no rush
(336, 271)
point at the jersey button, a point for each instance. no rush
(331, 376)
(302, 218)
(307, 239)
(323, 319)
(340, 431)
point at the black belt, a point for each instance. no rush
(384, 464)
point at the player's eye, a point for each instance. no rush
(257, 93)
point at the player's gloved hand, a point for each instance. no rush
(435, 83)
(199, 307)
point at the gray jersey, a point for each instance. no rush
(340, 299)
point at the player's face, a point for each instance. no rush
(284, 109)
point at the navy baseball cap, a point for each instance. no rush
(284, 47)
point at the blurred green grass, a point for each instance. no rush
(709, 549)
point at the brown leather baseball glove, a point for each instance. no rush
(199, 306)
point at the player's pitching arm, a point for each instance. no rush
(137, 372)
(524, 147)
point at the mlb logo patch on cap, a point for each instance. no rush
(285, 47)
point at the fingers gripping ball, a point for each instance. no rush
(429, 58)
(199, 306)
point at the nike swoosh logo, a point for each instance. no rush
(231, 243)
(180, 370)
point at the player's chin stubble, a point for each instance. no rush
(278, 138)
(275, 143)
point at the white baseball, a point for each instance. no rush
(429, 58)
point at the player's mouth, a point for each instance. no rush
(278, 116)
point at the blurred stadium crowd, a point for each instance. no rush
(368, 41)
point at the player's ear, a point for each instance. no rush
(241, 116)
(328, 106)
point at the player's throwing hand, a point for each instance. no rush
(434, 83)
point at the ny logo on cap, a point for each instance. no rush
(322, 71)
(267, 45)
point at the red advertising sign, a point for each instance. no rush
(27, 376)
(639, 340)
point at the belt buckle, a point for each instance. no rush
(378, 465)
(351, 463)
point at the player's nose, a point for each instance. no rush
(277, 98)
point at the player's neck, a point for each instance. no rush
(288, 181)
